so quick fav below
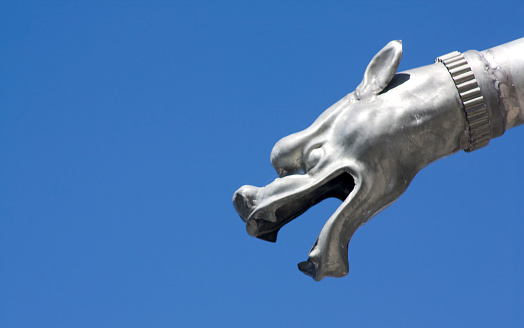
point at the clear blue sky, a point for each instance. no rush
(125, 128)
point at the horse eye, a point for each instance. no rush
(313, 158)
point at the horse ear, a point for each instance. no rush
(380, 70)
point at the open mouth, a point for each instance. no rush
(289, 208)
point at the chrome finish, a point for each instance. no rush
(367, 147)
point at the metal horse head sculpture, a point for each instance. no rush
(364, 150)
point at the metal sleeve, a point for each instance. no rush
(477, 116)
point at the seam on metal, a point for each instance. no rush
(472, 101)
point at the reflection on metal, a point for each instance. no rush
(367, 147)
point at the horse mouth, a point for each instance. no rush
(265, 223)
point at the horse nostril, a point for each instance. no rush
(244, 200)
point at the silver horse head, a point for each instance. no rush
(347, 153)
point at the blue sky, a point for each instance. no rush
(125, 128)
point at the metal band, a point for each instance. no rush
(472, 101)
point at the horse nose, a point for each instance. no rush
(244, 200)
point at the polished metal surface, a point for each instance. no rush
(367, 147)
